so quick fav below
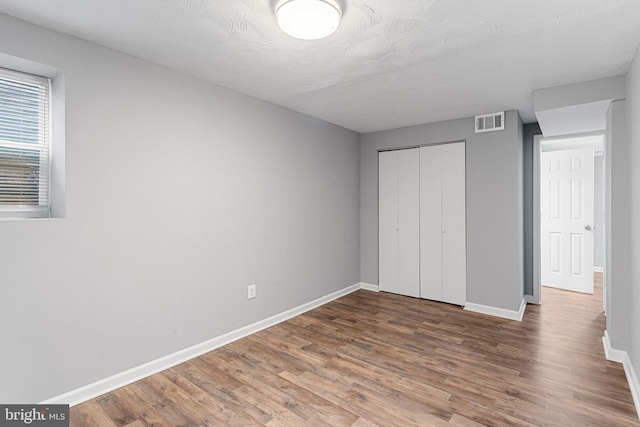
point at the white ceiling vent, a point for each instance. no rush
(490, 122)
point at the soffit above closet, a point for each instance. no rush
(390, 63)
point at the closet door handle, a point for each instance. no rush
(444, 231)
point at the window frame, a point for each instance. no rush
(19, 211)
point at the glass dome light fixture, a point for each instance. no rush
(308, 19)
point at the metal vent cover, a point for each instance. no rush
(490, 122)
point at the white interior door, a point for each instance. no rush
(388, 221)
(567, 214)
(454, 237)
(443, 262)
(399, 222)
(409, 222)
(431, 222)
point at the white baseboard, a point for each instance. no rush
(530, 300)
(611, 353)
(622, 356)
(98, 388)
(369, 287)
(598, 269)
(634, 385)
(498, 312)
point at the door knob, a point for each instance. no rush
(588, 227)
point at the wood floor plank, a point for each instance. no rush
(361, 422)
(92, 414)
(356, 399)
(278, 414)
(75, 417)
(117, 411)
(130, 398)
(224, 395)
(167, 408)
(461, 421)
(377, 359)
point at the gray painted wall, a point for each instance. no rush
(576, 108)
(633, 134)
(494, 204)
(529, 130)
(616, 223)
(571, 95)
(176, 201)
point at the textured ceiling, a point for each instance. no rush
(391, 63)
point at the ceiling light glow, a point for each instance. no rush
(308, 19)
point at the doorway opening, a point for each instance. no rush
(568, 213)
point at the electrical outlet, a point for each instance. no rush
(251, 291)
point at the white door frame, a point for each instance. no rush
(537, 284)
(537, 139)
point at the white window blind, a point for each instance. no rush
(24, 145)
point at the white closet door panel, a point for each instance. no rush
(454, 260)
(409, 222)
(430, 223)
(388, 221)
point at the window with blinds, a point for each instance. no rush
(24, 145)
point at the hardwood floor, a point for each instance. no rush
(377, 359)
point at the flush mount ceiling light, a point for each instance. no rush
(308, 19)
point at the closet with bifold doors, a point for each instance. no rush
(422, 222)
